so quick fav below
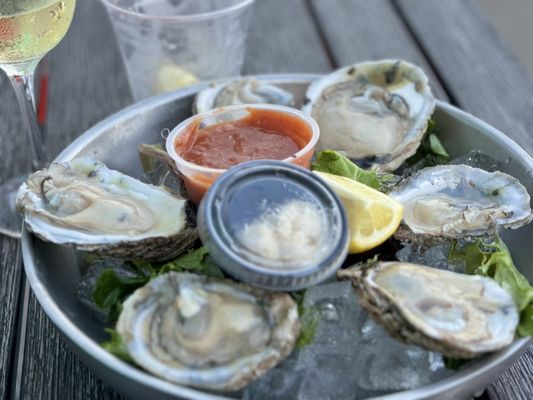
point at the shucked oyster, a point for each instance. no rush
(208, 333)
(455, 201)
(376, 112)
(459, 315)
(85, 205)
(241, 91)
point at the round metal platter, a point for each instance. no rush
(54, 271)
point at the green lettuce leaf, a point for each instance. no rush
(116, 346)
(431, 151)
(198, 261)
(333, 162)
(111, 288)
(493, 259)
(309, 319)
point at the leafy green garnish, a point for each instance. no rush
(333, 162)
(308, 324)
(112, 288)
(309, 319)
(431, 151)
(493, 259)
(116, 346)
(197, 261)
(454, 363)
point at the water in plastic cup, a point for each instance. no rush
(169, 44)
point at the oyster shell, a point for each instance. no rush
(453, 201)
(241, 91)
(85, 205)
(376, 112)
(208, 333)
(459, 315)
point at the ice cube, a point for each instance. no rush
(478, 159)
(350, 358)
(385, 364)
(435, 256)
(280, 383)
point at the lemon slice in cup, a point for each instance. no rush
(373, 216)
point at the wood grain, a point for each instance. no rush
(516, 384)
(14, 160)
(284, 38)
(51, 370)
(361, 30)
(87, 83)
(482, 76)
(10, 271)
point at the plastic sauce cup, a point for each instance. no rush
(198, 178)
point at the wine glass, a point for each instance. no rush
(28, 30)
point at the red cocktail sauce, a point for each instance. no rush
(263, 134)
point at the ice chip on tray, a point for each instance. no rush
(395, 366)
(435, 256)
(350, 357)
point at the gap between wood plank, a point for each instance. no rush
(321, 34)
(17, 360)
(434, 66)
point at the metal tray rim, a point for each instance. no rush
(86, 347)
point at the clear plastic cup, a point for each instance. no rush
(168, 44)
(198, 178)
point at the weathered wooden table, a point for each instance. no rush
(451, 40)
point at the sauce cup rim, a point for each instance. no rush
(181, 127)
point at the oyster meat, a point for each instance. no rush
(376, 112)
(205, 332)
(461, 316)
(454, 201)
(83, 204)
(241, 91)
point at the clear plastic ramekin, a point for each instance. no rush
(198, 178)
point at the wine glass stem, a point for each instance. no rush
(23, 85)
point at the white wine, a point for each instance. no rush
(31, 28)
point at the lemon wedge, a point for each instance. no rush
(373, 216)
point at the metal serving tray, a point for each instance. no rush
(54, 271)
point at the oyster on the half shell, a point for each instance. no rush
(83, 204)
(241, 91)
(461, 316)
(208, 333)
(454, 201)
(376, 112)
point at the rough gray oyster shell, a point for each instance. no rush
(208, 333)
(455, 201)
(241, 91)
(376, 112)
(461, 316)
(83, 204)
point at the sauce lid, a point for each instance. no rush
(274, 225)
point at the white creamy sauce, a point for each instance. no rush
(290, 236)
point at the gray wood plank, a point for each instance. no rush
(10, 270)
(516, 384)
(480, 72)
(51, 370)
(14, 160)
(361, 30)
(87, 83)
(284, 38)
(483, 77)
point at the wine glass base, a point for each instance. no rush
(10, 220)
